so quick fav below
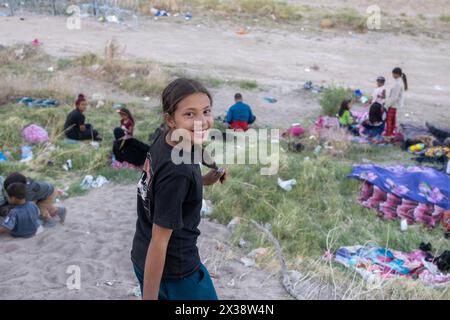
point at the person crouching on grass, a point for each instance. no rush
(23, 218)
(164, 254)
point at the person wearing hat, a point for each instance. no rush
(75, 127)
(129, 150)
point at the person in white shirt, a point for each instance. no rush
(379, 94)
(395, 100)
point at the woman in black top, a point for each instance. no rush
(75, 127)
(130, 150)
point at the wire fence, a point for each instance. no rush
(59, 7)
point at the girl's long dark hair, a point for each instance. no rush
(376, 113)
(399, 72)
(128, 113)
(344, 106)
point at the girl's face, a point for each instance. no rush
(82, 106)
(193, 114)
(396, 76)
(123, 116)
(350, 105)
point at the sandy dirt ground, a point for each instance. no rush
(97, 238)
(279, 60)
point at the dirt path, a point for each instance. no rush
(97, 238)
(277, 59)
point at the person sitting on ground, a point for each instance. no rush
(130, 150)
(240, 115)
(442, 135)
(374, 126)
(23, 218)
(379, 94)
(75, 127)
(126, 121)
(346, 119)
(41, 193)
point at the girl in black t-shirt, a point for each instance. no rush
(165, 254)
(75, 127)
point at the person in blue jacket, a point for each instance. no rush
(240, 115)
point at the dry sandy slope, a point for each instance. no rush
(277, 59)
(97, 237)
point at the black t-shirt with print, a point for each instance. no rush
(170, 196)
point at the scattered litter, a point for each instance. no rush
(313, 87)
(242, 243)
(231, 283)
(136, 291)
(270, 99)
(118, 105)
(27, 154)
(159, 13)
(268, 226)
(364, 99)
(307, 70)
(133, 75)
(306, 159)
(95, 145)
(3, 157)
(233, 223)
(30, 102)
(70, 141)
(109, 283)
(257, 253)
(206, 208)
(286, 185)
(89, 182)
(438, 88)
(146, 99)
(50, 69)
(403, 225)
(247, 262)
(36, 42)
(407, 115)
(100, 103)
(34, 134)
(112, 19)
(187, 16)
(242, 31)
(317, 149)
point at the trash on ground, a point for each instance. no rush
(286, 185)
(206, 209)
(27, 154)
(89, 182)
(247, 262)
(270, 99)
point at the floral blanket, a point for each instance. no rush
(421, 184)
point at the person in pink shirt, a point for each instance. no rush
(126, 122)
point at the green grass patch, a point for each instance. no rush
(445, 18)
(332, 97)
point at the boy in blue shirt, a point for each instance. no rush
(23, 218)
(240, 115)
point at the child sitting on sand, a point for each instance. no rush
(41, 193)
(126, 122)
(374, 126)
(23, 218)
(346, 119)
